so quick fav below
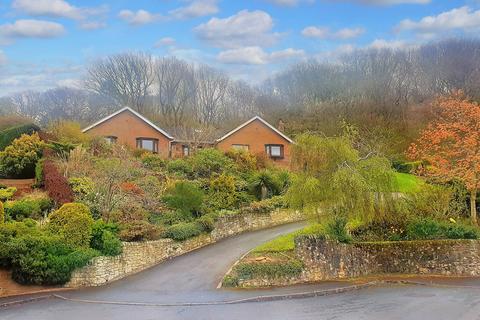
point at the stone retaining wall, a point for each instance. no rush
(138, 256)
(329, 260)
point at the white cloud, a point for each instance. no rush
(54, 8)
(463, 18)
(256, 55)
(165, 42)
(3, 58)
(326, 33)
(31, 29)
(388, 44)
(246, 28)
(289, 3)
(196, 8)
(139, 17)
(92, 25)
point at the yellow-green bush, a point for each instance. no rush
(7, 193)
(2, 213)
(73, 223)
(19, 158)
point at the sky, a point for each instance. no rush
(49, 43)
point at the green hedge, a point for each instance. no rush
(183, 231)
(45, 260)
(10, 134)
(271, 270)
(429, 229)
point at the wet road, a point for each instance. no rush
(194, 277)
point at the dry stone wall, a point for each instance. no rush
(329, 260)
(138, 256)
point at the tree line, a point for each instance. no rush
(385, 92)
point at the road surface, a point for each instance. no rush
(193, 278)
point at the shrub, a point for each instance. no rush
(206, 223)
(153, 162)
(208, 161)
(33, 205)
(430, 201)
(271, 270)
(66, 131)
(428, 228)
(265, 184)
(172, 217)
(185, 196)
(7, 193)
(2, 213)
(180, 166)
(111, 244)
(56, 184)
(336, 229)
(265, 206)
(39, 177)
(45, 260)
(183, 231)
(244, 160)
(105, 238)
(73, 223)
(19, 159)
(222, 193)
(10, 134)
(139, 231)
(82, 186)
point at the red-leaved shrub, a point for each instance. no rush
(56, 184)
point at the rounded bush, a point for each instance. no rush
(139, 231)
(73, 223)
(183, 231)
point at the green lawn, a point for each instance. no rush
(407, 182)
(286, 242)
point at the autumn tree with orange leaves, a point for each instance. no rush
(451, 144)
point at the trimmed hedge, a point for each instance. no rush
(271, 270)
(8, 135)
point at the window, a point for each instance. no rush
(186, 150)
(111, 139)
(148, 144)
(243, 147)
(274, 150)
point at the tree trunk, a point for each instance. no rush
(473, 206)
(264, 192)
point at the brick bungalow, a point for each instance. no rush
(128, 127)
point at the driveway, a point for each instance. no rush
(193, 278)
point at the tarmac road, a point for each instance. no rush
(194, 277)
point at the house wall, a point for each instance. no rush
(127, 128)
(256, 135)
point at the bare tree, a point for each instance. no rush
(175, 88)
(211, 92)
(126, 78)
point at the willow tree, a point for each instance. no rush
(332, 178)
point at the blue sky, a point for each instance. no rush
(46, 43)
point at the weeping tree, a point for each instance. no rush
(332, 179)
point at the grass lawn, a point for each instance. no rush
(408, 182)
(286, 242)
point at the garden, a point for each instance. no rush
(89, 196)
(356, 196)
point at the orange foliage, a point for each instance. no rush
(451, 142)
